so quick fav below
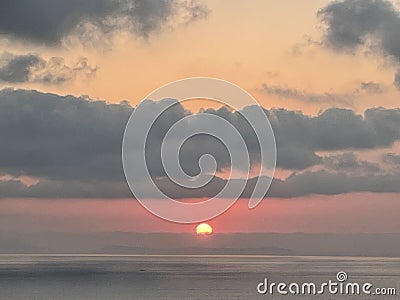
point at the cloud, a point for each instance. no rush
(299, 137)
(325, 183)
(351, 24)
(397, 79)
(65, 189)
(33, 68)
(345, 99)
(51, 21)
(296, 185)
(349, 163)
(337, 129)
(392, 158)
(17, 68)
(50, 136)
(323, 98)
(371, 87)
(72, 145)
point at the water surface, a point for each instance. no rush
(60, 277)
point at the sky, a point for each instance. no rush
(326, 73)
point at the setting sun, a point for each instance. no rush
(203, 229)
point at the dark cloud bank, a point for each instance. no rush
(73, 146)
(375, 24)
(51, 21)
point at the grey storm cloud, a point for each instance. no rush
(33, 68)
(299, 137)
(350, 24)
(49, 136)
(50, 21)
(72, 145)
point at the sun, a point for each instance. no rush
(203, 229)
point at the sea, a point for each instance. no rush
(107, 277)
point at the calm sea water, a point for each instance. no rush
(181, 277)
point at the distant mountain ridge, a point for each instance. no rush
(197, 251)
(319, 244)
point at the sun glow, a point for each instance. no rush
(203, 229)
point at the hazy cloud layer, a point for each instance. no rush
(50, 21)
(297, 185)
(392, 158)
(328, 98)
(349, 163)
(325, 183)
(323, 98)
(375, 24)
(397, 79)
(65, 189)
(371, 87)
(33, 68)
(73, 145)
